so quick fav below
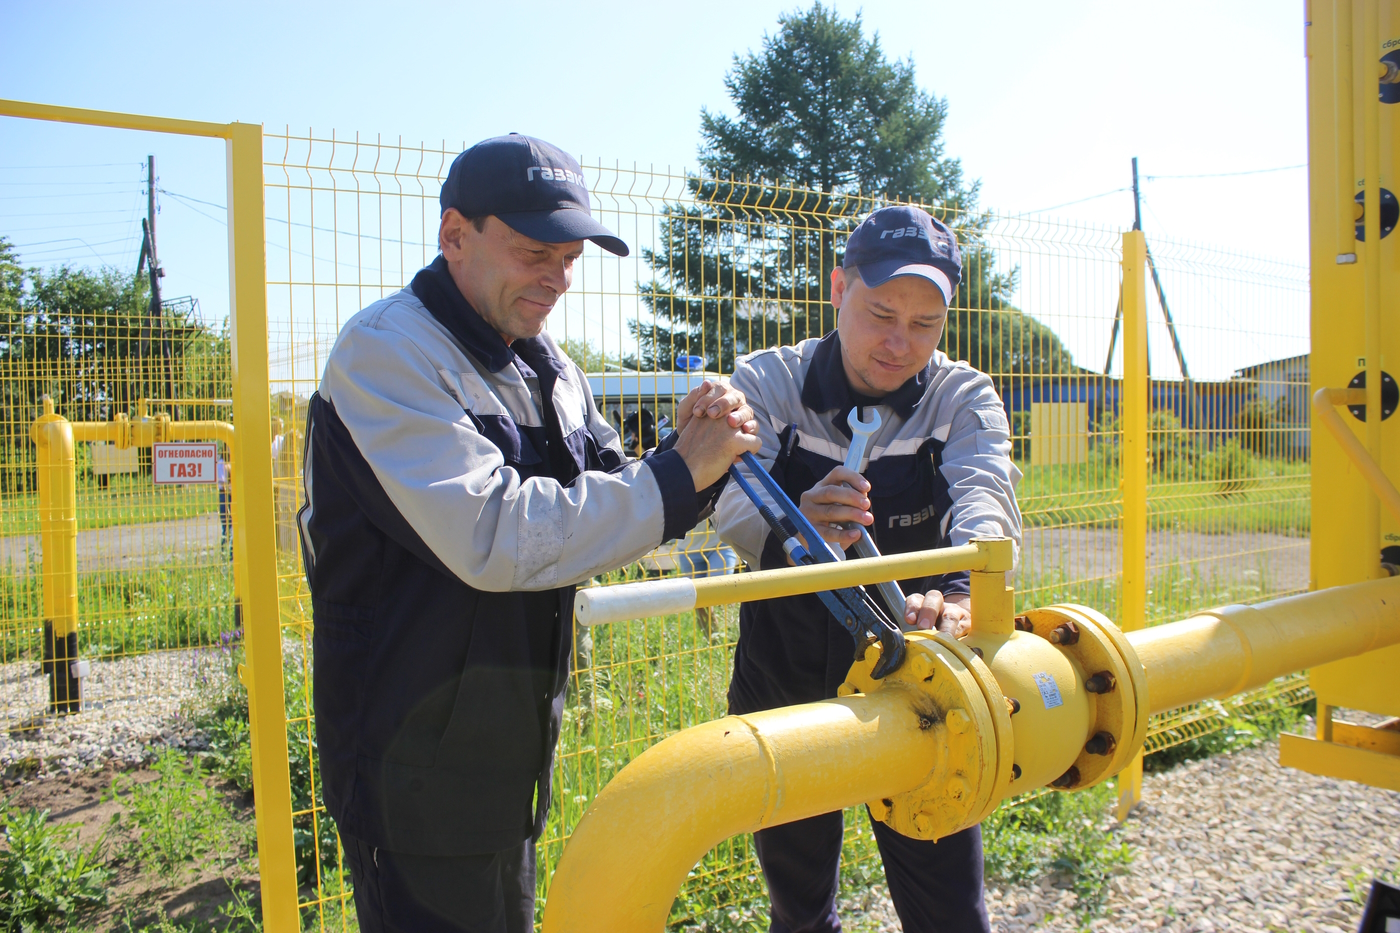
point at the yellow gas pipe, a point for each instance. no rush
(936, 746)
(54, 437)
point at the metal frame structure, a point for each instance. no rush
(255, 547)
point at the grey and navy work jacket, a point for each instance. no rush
(940, 474)
(456, 489)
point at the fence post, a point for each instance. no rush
(1133, 460)
(254, 534)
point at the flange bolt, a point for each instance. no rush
(1066, 633)
(1101, 744)
(1015, 772)
(1068, 779)
(1013, 705)
(1102, 682)
(1023, 624)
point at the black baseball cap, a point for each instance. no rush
(533, 187)
(905, 240)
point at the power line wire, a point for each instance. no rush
(1253, 171)
(8, 168)
(1092, 197)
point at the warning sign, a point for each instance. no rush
(185, 463)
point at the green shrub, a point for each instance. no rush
(1170, 446)
(42, 880)
(1261, 430)
(1227, 466)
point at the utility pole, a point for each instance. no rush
(1137, 199)
(1161, 299)
(154, 323)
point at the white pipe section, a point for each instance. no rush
(602, 604)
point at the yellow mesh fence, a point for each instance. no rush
(153, 578)
(718, 268)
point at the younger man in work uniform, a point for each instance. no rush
(938, 473)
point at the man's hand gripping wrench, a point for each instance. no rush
(861, 432)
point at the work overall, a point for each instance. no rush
(791, 650)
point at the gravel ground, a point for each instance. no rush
(1232, 843)
(133, 711)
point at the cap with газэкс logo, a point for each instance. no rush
(905, 240)
(529, 185)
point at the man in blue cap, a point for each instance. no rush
(459, 482)
(937, 472)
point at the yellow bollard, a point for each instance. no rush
(58, 538)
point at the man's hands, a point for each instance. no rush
(839, 497)
(716, 425)
(951, 615)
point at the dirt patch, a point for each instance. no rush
(139, 896)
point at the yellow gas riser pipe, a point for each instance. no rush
(58, 519)
(685, 795)
(1213, 655)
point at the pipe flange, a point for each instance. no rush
(1120, 704)
(957, 696)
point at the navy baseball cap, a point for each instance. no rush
(532, 187)
(905, 240)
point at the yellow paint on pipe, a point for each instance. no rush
(600, 605)
(58, 518)
(790, 581)
(664, 811)
(683, 796)
(159, 431)
(1220, 653)
(1325, 401)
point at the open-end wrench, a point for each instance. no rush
(861, 432)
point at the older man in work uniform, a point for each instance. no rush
(459, 482)
(938, 473)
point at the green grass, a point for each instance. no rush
(1274, 498)
(131, 499)
(124, 612)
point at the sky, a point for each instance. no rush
(1047, 104)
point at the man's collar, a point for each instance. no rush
(435, 287)
(826, 387)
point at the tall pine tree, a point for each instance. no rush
(827, 129)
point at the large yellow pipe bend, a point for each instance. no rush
(685, 795)
(1220, 653)
(925, 748)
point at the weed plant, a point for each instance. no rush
(46, 877)
(1068, 834)
(178, 819)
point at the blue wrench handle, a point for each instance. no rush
(816, 544)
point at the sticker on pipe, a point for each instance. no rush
(1049, 690)
(185, 464)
